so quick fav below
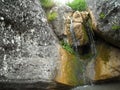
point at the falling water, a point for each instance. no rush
(92, 46)
(91, 40)
(73, 35)
(74, 40)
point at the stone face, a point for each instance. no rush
(69, 72)
(28, 47)
(106, 65)
(59, 23)
(77, 26)
(107, 16)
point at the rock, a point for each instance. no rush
(28, 48)
(58, 23)
(107, 63)
(80, 33)
(70, 69)
(107, 17)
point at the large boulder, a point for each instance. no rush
(28, 48)
(107, 64)
(106, 19)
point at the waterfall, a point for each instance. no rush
(83, 64)
(91, 39)
(73, 36)
(74, 40)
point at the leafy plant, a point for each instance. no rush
(47, 3)
(51, 16)
(67, 47)
(115, 27)
(79, 5)
(102, 15)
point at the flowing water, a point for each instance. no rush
(92, 47)
(75, 45)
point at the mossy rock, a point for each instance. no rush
(70, 69)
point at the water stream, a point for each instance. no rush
(75, 45)
(92, 47)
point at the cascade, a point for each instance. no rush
(92, 47)
(74, 40)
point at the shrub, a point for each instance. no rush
(51, 16)
(47, 3)
(79, 5)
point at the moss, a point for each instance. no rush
(67, 47)
(115, 27)
(79, 5)
(47, 3)
(51, 16)
(102, 15)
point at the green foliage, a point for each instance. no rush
(67, 47)
(47, 3)
(79, 5)
(51, 16)
(102, 15)
(115, 27)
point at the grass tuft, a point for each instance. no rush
(67, 47)
(79, 5)
(47, 3)
(51, 16)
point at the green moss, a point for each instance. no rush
(115, 27)
(67, 47)
(79, 5)
(102, 15)
(47, 3)
(51, 16)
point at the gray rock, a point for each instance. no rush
(28, 48)
(58, 24)
(107, 15)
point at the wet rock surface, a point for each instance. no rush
(106, 65)
(28, 49)
(76, 27)
(107, 17)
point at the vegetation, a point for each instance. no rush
(79, 5)
(115, 27)
(102, 15)
(51, 16)
(47, 3)
(67, 47)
